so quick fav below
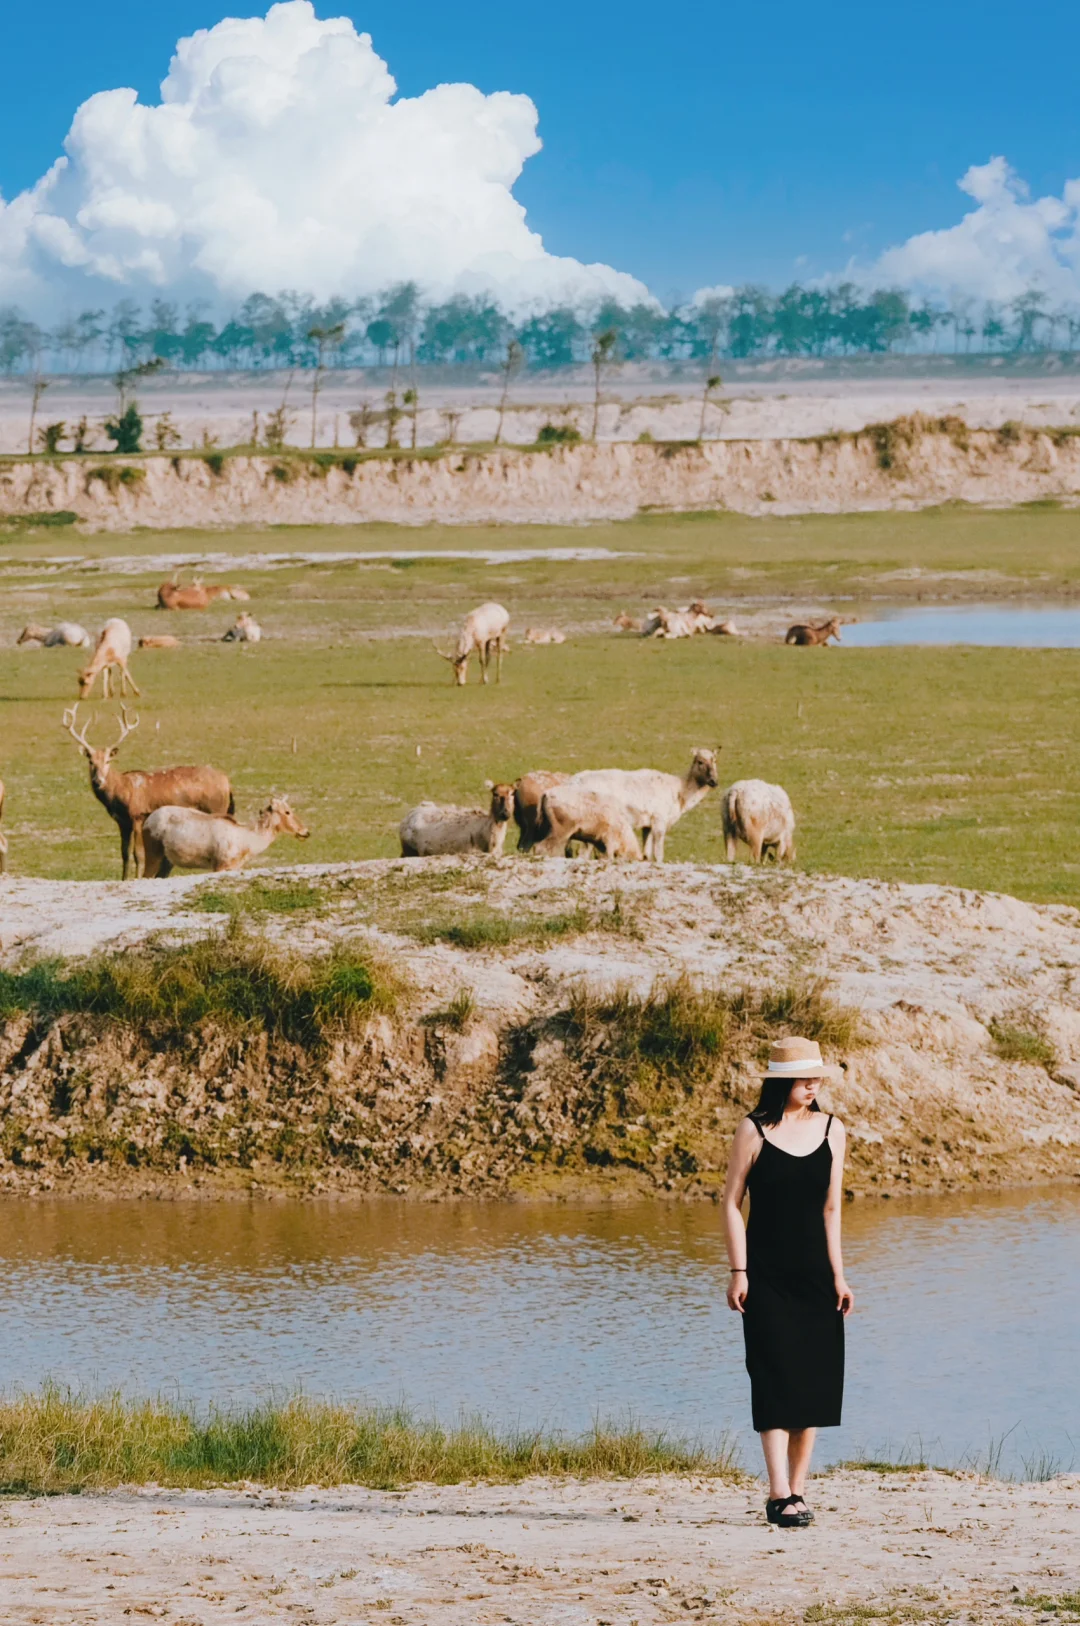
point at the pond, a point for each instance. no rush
(1024, 627)
(966, 1333)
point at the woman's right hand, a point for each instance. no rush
(736, 1292)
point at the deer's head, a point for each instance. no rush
(280, 816)
(704, 770)
(101, 757)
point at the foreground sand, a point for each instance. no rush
(920, 1546)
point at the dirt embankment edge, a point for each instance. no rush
(913, 462)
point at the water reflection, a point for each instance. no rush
(968, 1325)
(1026, 626)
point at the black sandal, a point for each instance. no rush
(776, 1513)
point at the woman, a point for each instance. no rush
(787, 1271)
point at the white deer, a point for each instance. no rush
(184, 837)
(484, 632)
(113, 649)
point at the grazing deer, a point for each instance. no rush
(113, 649)
(192, 840)
(804, 633)
(129, 797)
(3, 837)
(482, 631)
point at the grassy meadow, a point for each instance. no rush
(917, 764)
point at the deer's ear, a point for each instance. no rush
(489, 784)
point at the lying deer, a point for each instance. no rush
(171, 596)
(128, 797)
(65, 634)
(804, 633)
(180, 836)
(113, 649)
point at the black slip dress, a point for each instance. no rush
(794, 1332)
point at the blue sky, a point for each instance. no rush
(700, 144)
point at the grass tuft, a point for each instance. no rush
(488, 928)
(232, 980)
(257, 897)
(57, 1441)
(1065, 1604)
(1014, 1043)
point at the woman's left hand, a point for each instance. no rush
(845, 1298)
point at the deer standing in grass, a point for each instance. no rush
(484, 632)
(183, 837)
(129, 797)
(113, 649)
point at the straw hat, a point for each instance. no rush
(795, 1058)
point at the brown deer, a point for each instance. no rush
(171, 596)
(129, 798)
(113, 649)
(804, 633)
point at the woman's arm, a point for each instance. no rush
(744, 1149)
(845, 1298)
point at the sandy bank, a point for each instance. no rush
(907, 464)
(510, 1096)
(912, 1546)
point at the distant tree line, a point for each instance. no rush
(401, 329)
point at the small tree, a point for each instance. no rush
(81, 434)
(393, 416)
(38, 388)
(166, 435)
(602, 357)
(325, 340)
(451, 417)
(50, 437)
(361, 421)
(126, 430)
(411, 399)
(713, 382)
(278, 424)
(512, 364)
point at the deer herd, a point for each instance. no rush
(184, 817)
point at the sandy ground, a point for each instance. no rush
(920, 1546)
(756, 406)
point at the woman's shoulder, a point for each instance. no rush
(836, 1126)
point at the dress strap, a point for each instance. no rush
(756, 1125)
(828, 1126)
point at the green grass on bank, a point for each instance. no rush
(232, 980)
(933, 764)
(55, 1441)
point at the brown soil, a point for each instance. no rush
(509, 1096)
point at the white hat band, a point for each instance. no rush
(795, 1069)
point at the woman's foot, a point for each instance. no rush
(800, 1506)
(788, 1512)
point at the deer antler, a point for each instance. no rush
(126, 727)
(441, 652)
(80, 738)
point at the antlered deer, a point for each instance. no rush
(128, 798)
(804, 633)
(482, 631)
(113, 649)
(183, 837)
(761, 815)
(429, 830)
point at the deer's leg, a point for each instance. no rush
(731, 847)
(658, 845)
(756, 849)
(139, 847)
(498, 660)
(106, 683)
(484, 654)
(125, 850)
(126, 677)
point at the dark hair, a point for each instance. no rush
(773, 1099)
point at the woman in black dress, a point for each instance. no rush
(787, 1272)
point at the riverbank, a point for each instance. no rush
(529, 1030)
(913, 462)
(904, 1547)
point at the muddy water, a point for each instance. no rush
(968, 1324)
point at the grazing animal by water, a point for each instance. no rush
(544, 635)
(529, 792)
(760, 815)
(429, 830)
(128, 798)
(65, 635)
(483, 632)
(804, 633)
(184, 838)
(653, 801)
(568, 813)
(113, 649)
(244, 630)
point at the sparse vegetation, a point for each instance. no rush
(489, 928)
(1015, 1043)
(56, 1441)
(257, 897)
(558, 434)
(233, 981)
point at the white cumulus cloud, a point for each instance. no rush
(1009, 242)
(280, 157)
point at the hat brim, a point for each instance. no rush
(795, 1069)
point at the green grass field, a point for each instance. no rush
(954, 765)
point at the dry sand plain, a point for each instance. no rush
(910, 1546)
